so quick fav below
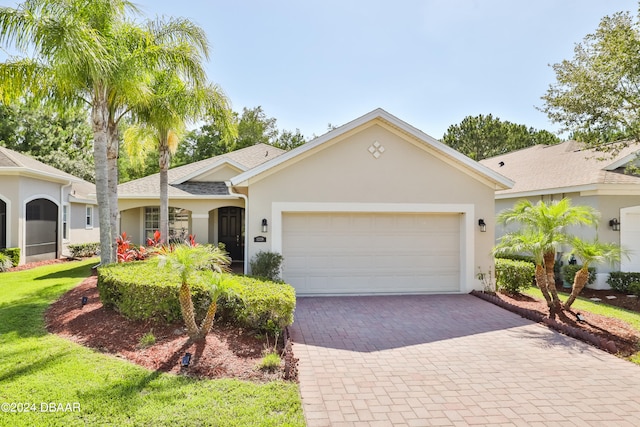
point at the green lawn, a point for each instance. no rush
(38, 368)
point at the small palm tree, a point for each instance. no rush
(527, 242)
(551, 221)
(590, 252)
(186, 260)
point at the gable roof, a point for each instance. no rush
(381, 116)
(179, 184)
(15, 163)
(562, 168)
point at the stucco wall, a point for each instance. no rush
(344, 171)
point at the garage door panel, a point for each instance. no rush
(355, 253)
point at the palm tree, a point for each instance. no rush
(87, 52)
(161, 123)
(186, 260)
(527, 242)
(590, 252)
(550, 221)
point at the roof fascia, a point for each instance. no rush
(208, 169)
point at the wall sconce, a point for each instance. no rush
(264, 225)
(614, 224)
(482, 225)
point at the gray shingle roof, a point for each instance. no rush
(247, 158)
(561, 166)
(13, 159)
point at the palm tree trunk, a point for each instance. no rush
(99, 119)
(579, 282)
(165, 158)
(207, 322)
(549, 261)
(188, 313)
(112, 171)
(541, 281)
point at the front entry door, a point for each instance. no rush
(231, 231)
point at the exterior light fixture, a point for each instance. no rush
(186, 359)
(264, 225)
(482, 225)
(614, 224)
(85, 300)
(579, 317)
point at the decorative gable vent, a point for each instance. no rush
(376, 149)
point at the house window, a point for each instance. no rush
(179, 220)
(65, 222)
(89, 217)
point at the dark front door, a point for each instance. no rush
(231, 231)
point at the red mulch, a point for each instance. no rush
(227, 352)
(625, 337)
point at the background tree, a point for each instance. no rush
(211, 139)
(483, 136)
(254, 127)
(596, 94)
(59, 138)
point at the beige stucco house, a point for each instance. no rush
(587, 177)
(43, 209)
(374, 206)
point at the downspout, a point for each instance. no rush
(246, 224)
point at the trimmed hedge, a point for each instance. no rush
(568, 273)
(514, 276)
(13, 254)
(624, 281)
(83, 250)
(141, 292)
(516, 257)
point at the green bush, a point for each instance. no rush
(516, 257)
(84, 250)
(266, 265)
(13, 254)
(568, 272)
(259, 304)
(634, 288)
(5, 262)
(141, 292)
(621, 281)
(513, 276)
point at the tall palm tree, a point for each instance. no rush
(162, 120)
(551, 221)
(186, 260)
(88, 52)
(590, 252)
(531, 242)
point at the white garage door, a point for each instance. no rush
(366, 253)
(630, 238)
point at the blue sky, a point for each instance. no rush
(430, 62)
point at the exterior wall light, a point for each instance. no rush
(614, 224)
(264, 225)
(482, 225)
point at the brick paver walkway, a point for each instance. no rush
(451, 360)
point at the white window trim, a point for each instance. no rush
(88, 216)
(66, 225)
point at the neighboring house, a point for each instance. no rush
(43, 209)
(587, 177)
(374, 206)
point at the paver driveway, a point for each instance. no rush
(451, 360)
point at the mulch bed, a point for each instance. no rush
(595, 329)
(227, 351)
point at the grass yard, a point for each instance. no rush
(40, 373)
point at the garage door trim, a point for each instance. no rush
(466, 224)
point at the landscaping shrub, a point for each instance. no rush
(634, 288)
(568, 272)
(13, 254)
(84, 250)
(621, 281)
(516, 257)
(266, 265)
(5, 262)
(141, 292)
(513, 276)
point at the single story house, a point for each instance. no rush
(43, 209)
(587, 177)
(373, 207)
